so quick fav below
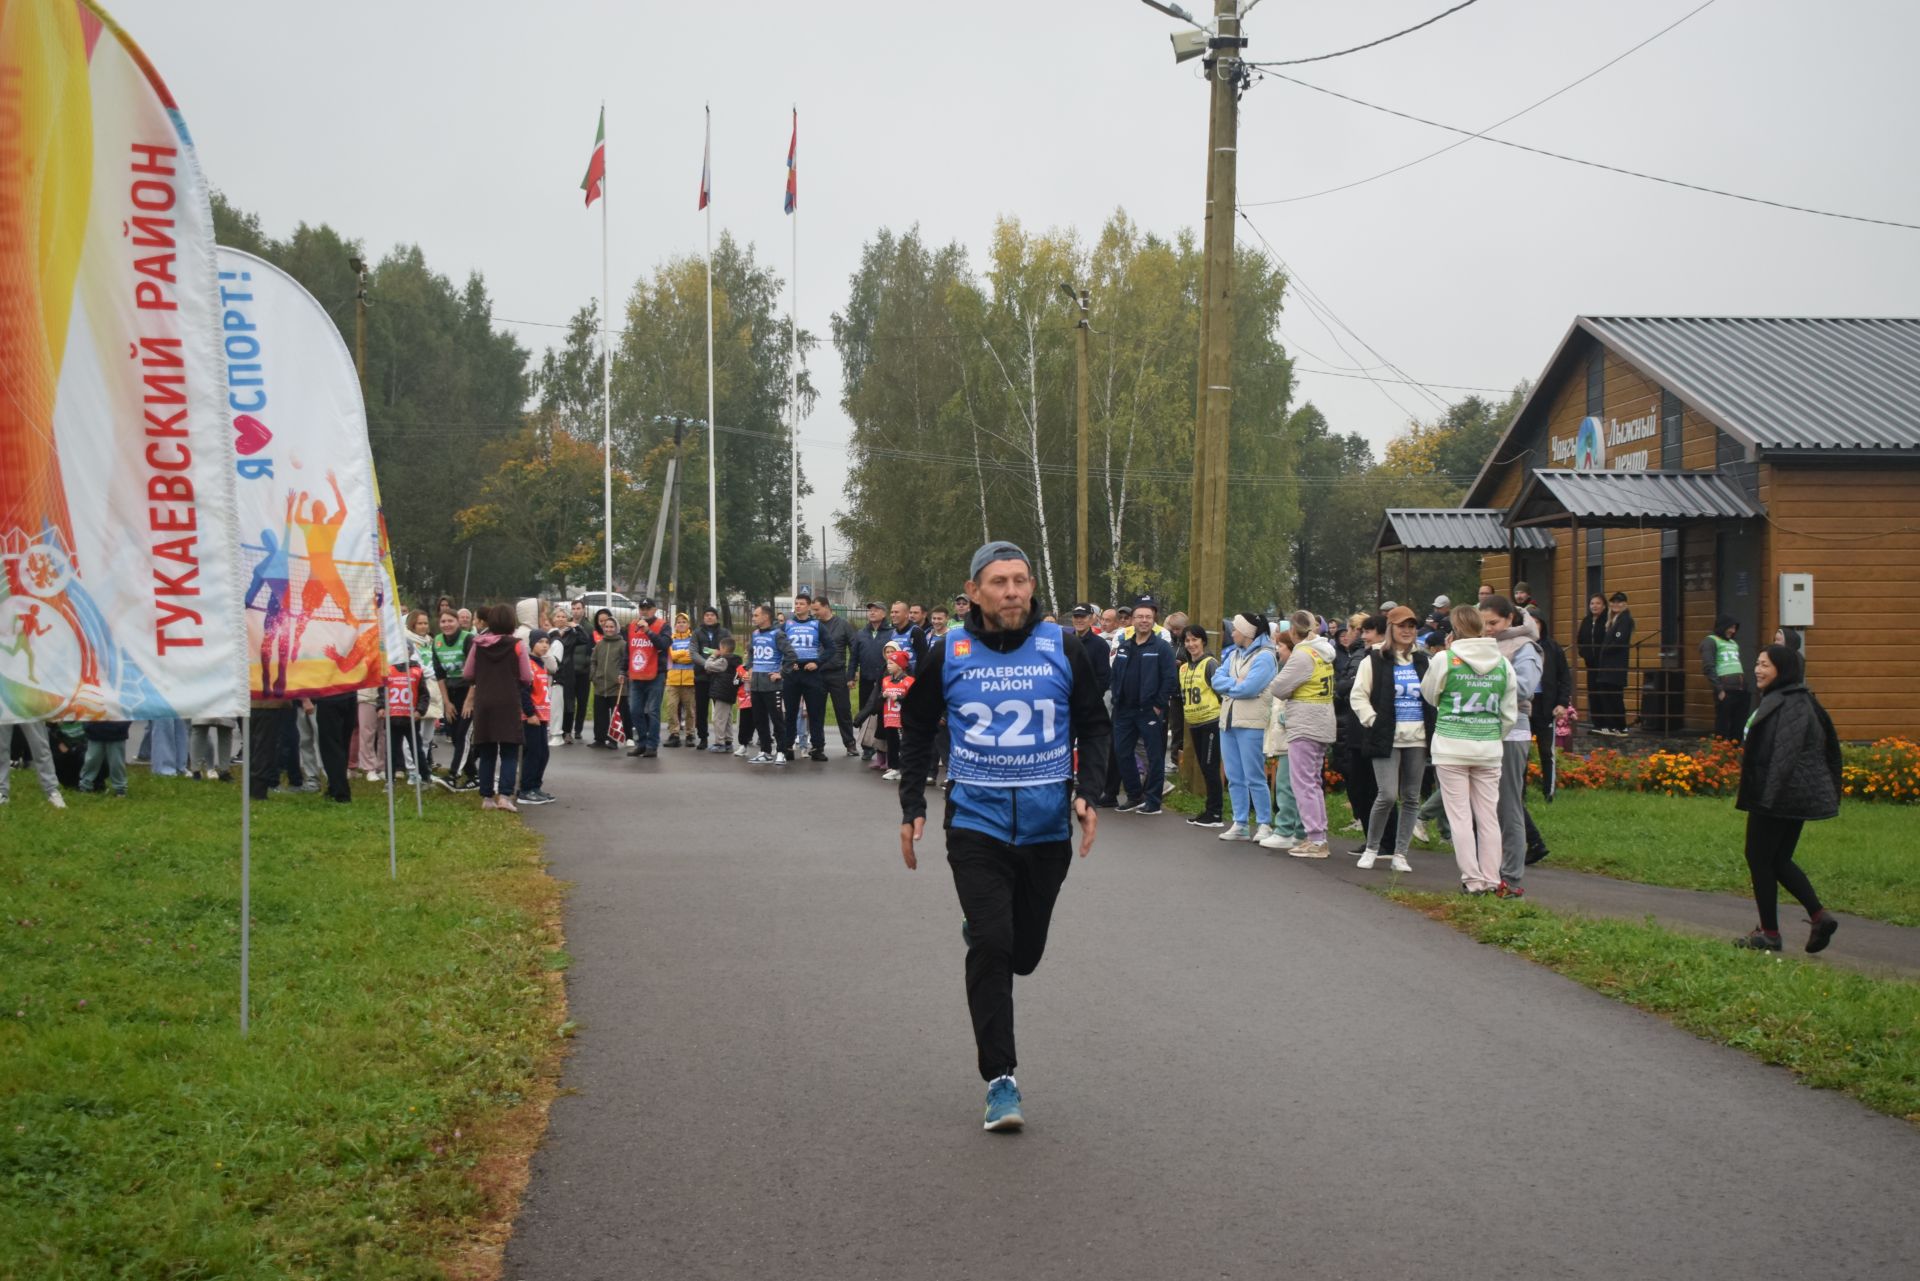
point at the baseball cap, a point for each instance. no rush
(1147, 602)
(1000, 549)
(1441, 602)
(874, 604)
(1084, 610)
(645, 602)
(1400, 614)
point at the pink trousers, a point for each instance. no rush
(1471, 794)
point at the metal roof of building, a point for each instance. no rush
(1453, 529)
(1553, 496)
(1784, 384)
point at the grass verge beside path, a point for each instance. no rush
(1832, 1028)
(404, 1042)
(1866, 862)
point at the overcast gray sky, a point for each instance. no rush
(466, 127)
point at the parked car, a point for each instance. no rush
(623, 608)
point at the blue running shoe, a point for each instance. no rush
(1003, 1105)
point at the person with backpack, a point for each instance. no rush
(1790, 776)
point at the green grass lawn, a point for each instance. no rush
(1834, 1029)
(404, 1033)
(1867, 861)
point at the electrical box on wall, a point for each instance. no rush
(1796, 600)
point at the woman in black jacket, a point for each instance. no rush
(1789, 776)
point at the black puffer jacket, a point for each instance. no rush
(1791, 765)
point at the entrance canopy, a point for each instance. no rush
(1626, 500)
(1454, 529)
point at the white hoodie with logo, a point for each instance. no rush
(1481, 654)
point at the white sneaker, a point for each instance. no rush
(1278, 841)
(1235, 832)
(375, 776)
(742, 750)
(891, 776)
(1400, 863)
(1355, 826)
(1166, 785)
(781, 758)
(760, 758)
(1309, 849)
(1263, 834)
(56, 800)
(1420, 832)
(1367, 858)
(555, 740)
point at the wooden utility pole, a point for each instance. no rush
(1082, 591)
(1206, 557)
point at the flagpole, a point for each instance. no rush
(713, 509)
(793, 387)
(606, 387)
(246, 859)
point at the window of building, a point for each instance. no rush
(1597, 380)
(1671, 446)
(1596, 540)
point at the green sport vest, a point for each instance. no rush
(1470, 702)
(452, 654)
(1726, 657)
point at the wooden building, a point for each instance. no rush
(1754, 467)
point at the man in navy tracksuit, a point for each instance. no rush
(1142, 683)
(1018, 696)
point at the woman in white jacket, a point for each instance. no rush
(1476, 696)
(1307, 683)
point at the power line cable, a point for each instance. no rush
(1595, 164)
(1384, 173)
(1341, 53)
(1315, 302)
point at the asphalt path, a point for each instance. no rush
(1233, 1066)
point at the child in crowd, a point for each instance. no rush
(403, 713)
(678, 713)
(723, 685)
(1287, 827)
(609, 676)
(769, 653)
(499, 680)
(106, 747)
(533, 769)
(893, 691)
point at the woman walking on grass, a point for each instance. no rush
(1789, 776)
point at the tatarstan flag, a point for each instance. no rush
(595, 181)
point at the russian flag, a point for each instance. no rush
(793, 170)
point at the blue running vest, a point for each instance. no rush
(1010, 735)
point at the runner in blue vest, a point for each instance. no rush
(804, 685)
(1019, 698)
